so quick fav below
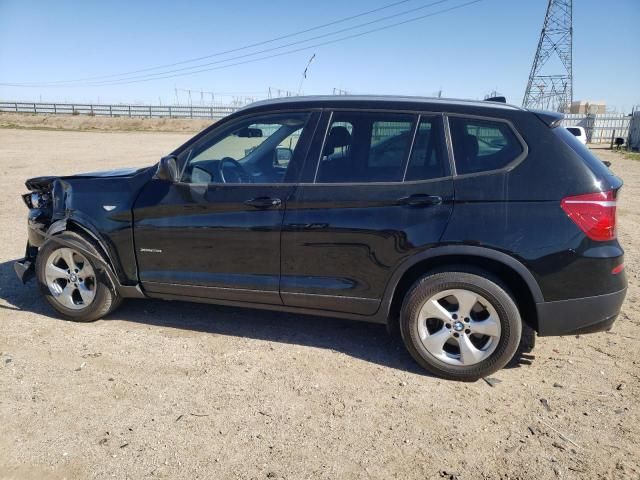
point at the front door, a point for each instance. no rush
(380, 190)
(216, 232)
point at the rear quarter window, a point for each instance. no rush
(593, 162)
(482, 145)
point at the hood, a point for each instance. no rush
(40, 183)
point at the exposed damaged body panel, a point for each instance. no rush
(78, 203)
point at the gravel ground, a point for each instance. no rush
(178, 390)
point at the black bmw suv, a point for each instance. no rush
(461, 222)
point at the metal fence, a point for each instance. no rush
(148, 111)
(600, 128)
(634, 131)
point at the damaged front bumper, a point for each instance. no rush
(26, 267)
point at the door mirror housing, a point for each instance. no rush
(167, 169)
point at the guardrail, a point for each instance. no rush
(130, 111)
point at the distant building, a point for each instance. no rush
(585, 106)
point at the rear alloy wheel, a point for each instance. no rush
(71, 280)
(460, 325)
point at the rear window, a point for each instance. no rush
(575, 131)
(482, 145)
(593, 162)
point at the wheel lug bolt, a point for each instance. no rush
(448, 325)
(456, 334)
(454, 316)
(466, 319)
(467, 331)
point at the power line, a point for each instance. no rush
(246, 55)
(366, 32)
(348, 37)
(237, 49)
(271, 49)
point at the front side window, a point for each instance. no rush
(365, 147)
(482, 145)
(258, 150)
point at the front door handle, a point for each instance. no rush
(420, 200)
(264, 202)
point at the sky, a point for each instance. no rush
(465, 53)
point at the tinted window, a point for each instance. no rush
(594, 163)
(575, 131)
(362, 147)
(427, 158)
(482, 145)
(257, 150)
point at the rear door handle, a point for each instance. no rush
(264, 202)
(420, 200)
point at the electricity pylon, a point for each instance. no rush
(550, 85)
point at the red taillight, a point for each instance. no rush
(594, 213)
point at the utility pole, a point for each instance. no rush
(550, 84)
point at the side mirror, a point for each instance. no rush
(167, 169)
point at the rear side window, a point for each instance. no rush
(482, 145)
(574, 131)
(365, 147)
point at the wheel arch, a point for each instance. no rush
(512, 272)
(90, 234)
(73, 225)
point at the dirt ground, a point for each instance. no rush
(177, 390)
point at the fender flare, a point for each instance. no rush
(107, 264)
(61, 225)
(466, 250)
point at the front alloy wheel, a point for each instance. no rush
(70, 278)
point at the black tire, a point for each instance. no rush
(106, 298)
(478, 282)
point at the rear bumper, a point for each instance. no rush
(579, 315)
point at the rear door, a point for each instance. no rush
(376, 189)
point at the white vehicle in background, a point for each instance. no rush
(578, 132)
